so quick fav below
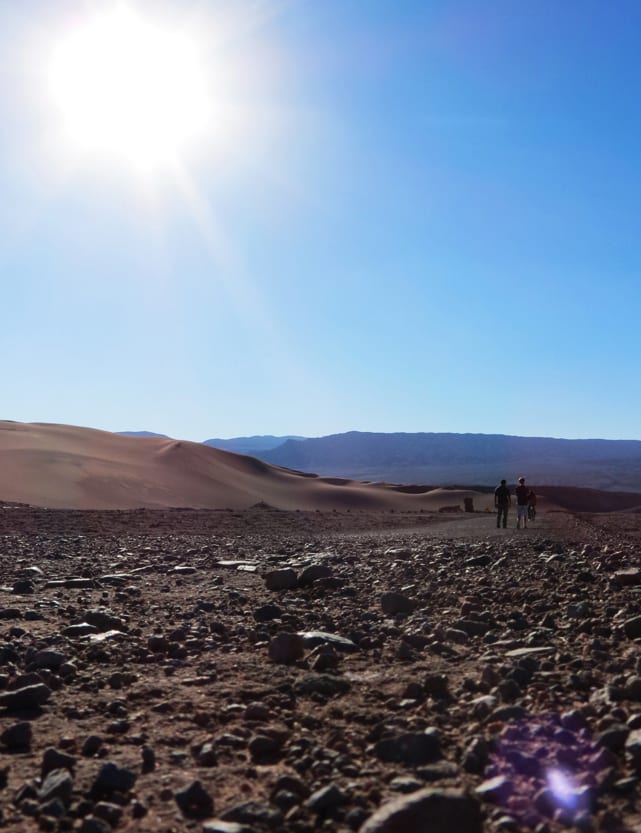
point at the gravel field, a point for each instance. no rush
(244, 672)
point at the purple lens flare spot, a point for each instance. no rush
(562, 787)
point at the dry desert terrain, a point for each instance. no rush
(376, 666)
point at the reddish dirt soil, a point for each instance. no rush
(508, 655)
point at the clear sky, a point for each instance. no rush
(397, 216)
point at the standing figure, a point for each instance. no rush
(522, 493)
(502, 501)
(531, 505)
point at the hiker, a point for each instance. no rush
(502, 502)
(531, 505)
(521, 493)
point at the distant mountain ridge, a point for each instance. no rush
(448, 458)
(253, 446)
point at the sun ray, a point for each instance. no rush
(233, 276)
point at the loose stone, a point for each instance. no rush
(286, 648)
(28, 697)
(428, 811)
(17, 736)
(312, 573)
(111, 779)
(57, 784)
(281, 580)
(326, 799)
(392, 603)
(412, 748)
(194, 801)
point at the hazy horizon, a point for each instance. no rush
(372, 431)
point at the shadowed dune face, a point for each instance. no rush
(66, 467)
(589, 500)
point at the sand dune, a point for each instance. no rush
(67, 467)
(62, 466)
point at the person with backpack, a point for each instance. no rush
(502, 502)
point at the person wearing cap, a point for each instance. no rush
(522, 494)
(502, 501)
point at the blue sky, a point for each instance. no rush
(423, 219)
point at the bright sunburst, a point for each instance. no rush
(129, 88)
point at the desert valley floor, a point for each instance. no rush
(263, 670)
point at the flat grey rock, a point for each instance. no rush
(505, 713)
(81, 629)
(57, 784)
(112, 635)
(220, 826)
(117, 579)
(524, 652)
(314, 638)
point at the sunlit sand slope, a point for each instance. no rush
(62, 466)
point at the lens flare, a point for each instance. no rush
(561, 786)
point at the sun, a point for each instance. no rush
(129, 88)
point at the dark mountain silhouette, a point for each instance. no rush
(448, 459)
(254, 446)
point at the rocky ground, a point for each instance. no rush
(264, 671)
